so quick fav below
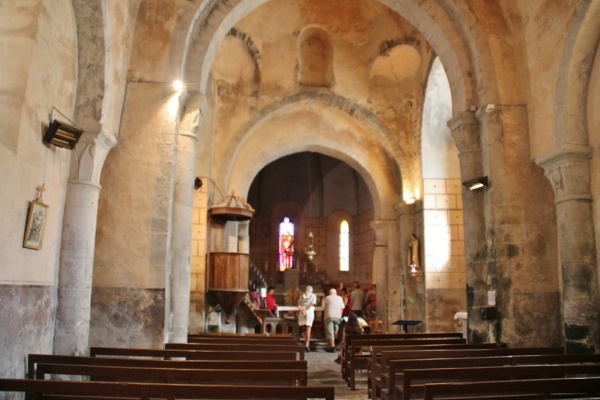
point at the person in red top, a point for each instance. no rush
(271, 303)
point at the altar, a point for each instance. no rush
(286, 320)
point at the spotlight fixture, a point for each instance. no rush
(198, 183)
(476, 183)
(62, 135)
(178, 85)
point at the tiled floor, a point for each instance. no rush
(322, 370)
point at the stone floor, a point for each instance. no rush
(322, 370)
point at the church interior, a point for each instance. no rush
(163, 158)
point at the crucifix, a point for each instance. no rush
(40, 190)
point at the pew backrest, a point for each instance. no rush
(145, 391)
(296, 377)
(583, 387)
(191, 354)
(414, 380)
(266, 347)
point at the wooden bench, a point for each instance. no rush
(374, 369)
(454, 337)
(397, 367)
(248, 376)
(414, 380)
(379, 383)
(543, 388)
(79, 390)
(34, 359)
(244, 339)
(237, 346)
(353, 359)
(192, 354)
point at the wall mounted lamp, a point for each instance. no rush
(476, 183)
(62, 135)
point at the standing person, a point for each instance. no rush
(370, 302)
(333, 307)
(347, 302)
(271, 303)
(306, 305)
(357, 300)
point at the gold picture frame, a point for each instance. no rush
(36, 223)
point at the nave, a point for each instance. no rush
(323, 371)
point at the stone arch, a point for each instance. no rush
(254, 55)
(456, 40)
(575, 72)
(92, 63)
(351, 110)
(315, 57)
(317, 130)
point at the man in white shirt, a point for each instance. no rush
(333, 306)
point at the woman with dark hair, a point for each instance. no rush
(353, 326)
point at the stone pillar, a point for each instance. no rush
(412, 299)
(387, 278)
(181, 242)
(568, 170)
(466, 134)
(76, 262)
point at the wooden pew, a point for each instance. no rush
(244, 339)
(374, 369)
(397, 367)
(111, 373)
(544, 388)
(414, 380)
(192, 354)
(353, 359)
(379, 383)
(238, 346)
(452, 337)
(79, 390)
(34, 359)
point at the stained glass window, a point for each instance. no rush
(344, 246)
(286, 244)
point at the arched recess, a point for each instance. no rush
(319, 130)
(315, 57)
(339, 110)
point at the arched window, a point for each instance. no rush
(344, 246)
(286, 244)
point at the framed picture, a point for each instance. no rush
(36, 222)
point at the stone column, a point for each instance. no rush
(466, 134)
(185, 174)
(386, 267)
(76, 262)
(568, 170)
(412, 299)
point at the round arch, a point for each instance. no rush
(452, 39)
(367, 156)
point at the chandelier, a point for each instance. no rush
(309, 251)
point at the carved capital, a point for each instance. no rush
(380, 227)
(568, 170)
(403, 209)
(465, 131)
(88, 156)
(190, 113)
